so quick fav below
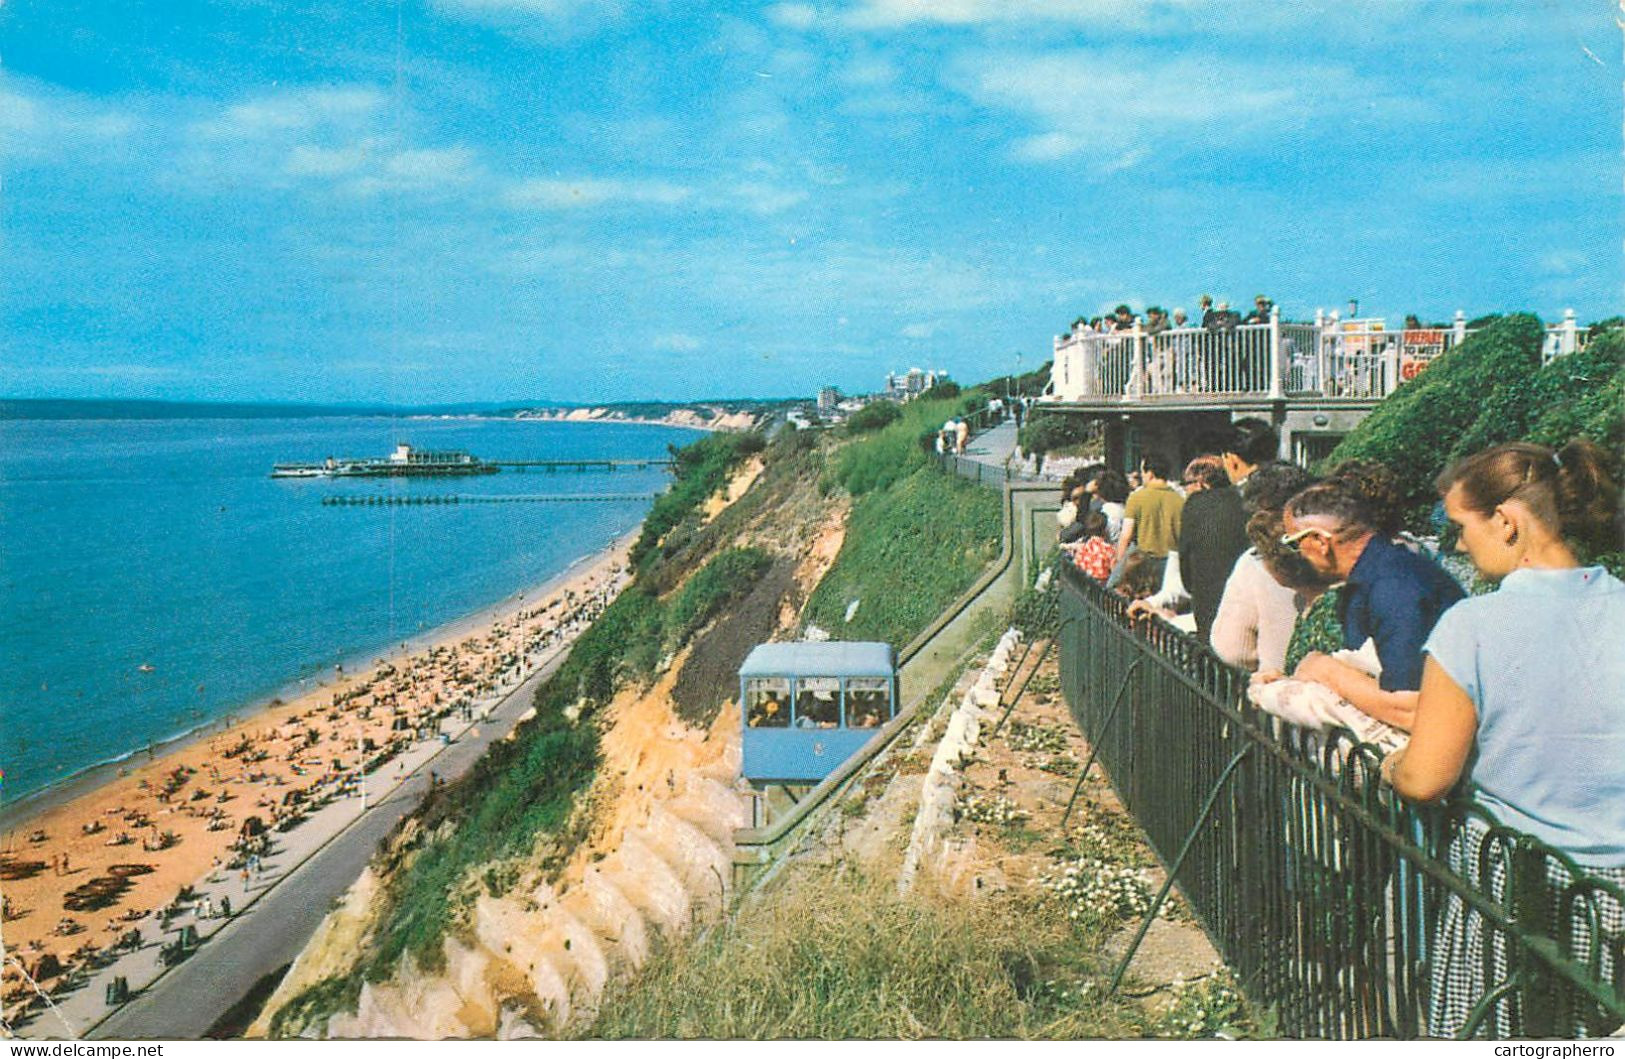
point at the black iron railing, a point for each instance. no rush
(1323, 891)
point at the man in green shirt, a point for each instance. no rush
(1151, 521)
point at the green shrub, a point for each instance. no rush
(702, 468)
(874, 416)
(1472, 396)
(727, 578)
(1490, 389)
(910, 550)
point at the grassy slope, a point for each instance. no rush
(916, 538)
(910, 550)
(856, 961)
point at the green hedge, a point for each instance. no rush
(1492, 388)
(1583, 395)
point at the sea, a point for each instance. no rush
(155, 580)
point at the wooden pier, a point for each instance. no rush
(380, 500)
(583, 465)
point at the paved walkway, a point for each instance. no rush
(997, 448)
(994, 448)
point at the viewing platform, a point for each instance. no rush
(1315, 381)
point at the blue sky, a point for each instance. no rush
(446, 200)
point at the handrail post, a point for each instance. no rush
(1179, 862)
(1320, 352)
(1277, 357)
(1390, 363)
(1136, 381)
(1328, 325)
(1094, 740)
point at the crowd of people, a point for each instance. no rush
(1156, 319)
(1515, 694)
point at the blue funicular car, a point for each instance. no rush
(807, 707)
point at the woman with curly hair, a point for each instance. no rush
(1344, 528)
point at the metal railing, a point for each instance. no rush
(1358, 358)
(1321, 889)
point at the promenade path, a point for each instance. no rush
(994, 448)
(997, 448)
(308, 869)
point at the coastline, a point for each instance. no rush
(724, 422)
(181, 820)
(86, 782)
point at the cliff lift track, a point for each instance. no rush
(760, 852)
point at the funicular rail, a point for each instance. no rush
(760, 850)
(1321, 889)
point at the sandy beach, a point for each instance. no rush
(81, 877)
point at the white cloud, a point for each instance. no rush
(42, 122)
(425, 166)
(675, 342)
(883, 14)
(1563, 262)
(793, 16)
(550, 194)
(556, 10)
(766, 198)
(589, 192)
(1121, 106)
(868, 72)
(341, 138)
(1048, 146)
(297, 109)
(309, 160)
(919, 330)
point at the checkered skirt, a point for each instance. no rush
(1470, 957)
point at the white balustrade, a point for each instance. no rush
(1331, 357)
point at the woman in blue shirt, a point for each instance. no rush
(1523, 695)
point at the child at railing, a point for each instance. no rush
(1093, 553)
(1523, 697)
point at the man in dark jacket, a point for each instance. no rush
(1212, 535)
(1248, 445)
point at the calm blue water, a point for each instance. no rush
(164, 542)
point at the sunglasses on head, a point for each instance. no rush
(1293, 540)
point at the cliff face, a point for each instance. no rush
(656, 826)
(658, 859)
(700, 417)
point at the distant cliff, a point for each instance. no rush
(696, 416)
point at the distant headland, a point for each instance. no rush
(724, 414)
